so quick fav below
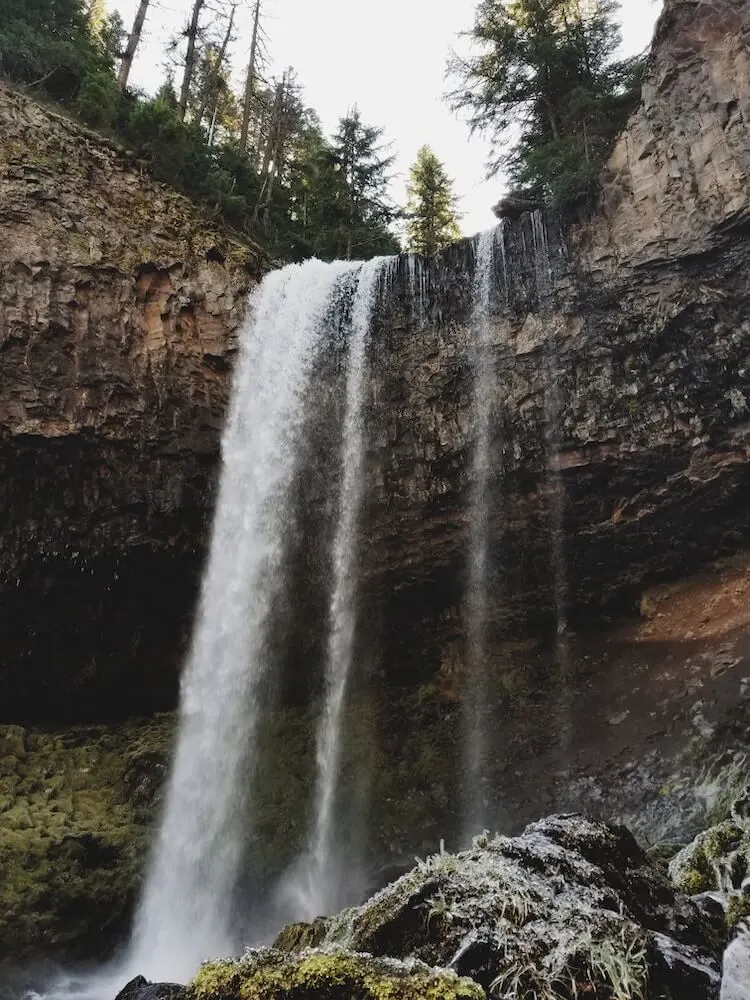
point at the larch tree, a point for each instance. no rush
(431, 214)
(364, 209)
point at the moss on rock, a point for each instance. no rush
(718, 858)
(327, 975)
(75, 807)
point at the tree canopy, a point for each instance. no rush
(432, 219)
(258, 159)
(543, 82)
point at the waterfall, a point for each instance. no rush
(185, 913)
(476, 693)
(552, 433)
(418, 277)
(317, 883)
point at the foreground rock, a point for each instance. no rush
(568, 908)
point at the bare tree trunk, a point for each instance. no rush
(250, 78)
(212, 126)
(211, 84)
(273, 153)
(187, 76)
(133, 39)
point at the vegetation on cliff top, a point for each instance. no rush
(275, 178)
(544, 83)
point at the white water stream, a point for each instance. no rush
(185, 914)
(476, 694)
(317, 883)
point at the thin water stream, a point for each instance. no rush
(476, 721)
(556, 486)
(321, 881)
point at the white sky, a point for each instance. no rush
(388, 57)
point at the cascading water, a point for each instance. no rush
(418, 278)
(186, 910)
(552, 408)
(476, 722)
(317, 883)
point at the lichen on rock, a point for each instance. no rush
(334, 974)
(719, 857)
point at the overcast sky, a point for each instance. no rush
(388, 57)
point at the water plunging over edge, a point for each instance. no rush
(552, 410)
(476, 723)
(317, 882)
(186, 909)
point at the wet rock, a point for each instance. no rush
(140, 988)
(735, 982)
(301, 936)
(323, 975)
(569, 901)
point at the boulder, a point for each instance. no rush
(335, 974)
(569, 904)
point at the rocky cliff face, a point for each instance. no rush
(621, 410)
(620, 441)
(118, 308)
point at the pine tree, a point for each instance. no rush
(365, 210)
(548, 69)
(432, 220)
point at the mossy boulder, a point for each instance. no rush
(327, 975)
(569, 902)
(719, 858)
(75, 808)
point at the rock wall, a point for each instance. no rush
(620, 418)
(118, 308)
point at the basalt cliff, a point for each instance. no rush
(620, 435)
(119, 306)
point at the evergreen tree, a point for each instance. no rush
(432, 220)
(50, 43)
(547, 68)
(362, 205)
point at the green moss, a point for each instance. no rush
(327, 975)
(72, 836)
(738, 907)
(693, 881)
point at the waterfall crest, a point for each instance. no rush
(185, 914)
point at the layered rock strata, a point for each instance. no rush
(119, 305)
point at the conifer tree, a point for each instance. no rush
(547, 68)
(432, 220)
(364, 208)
